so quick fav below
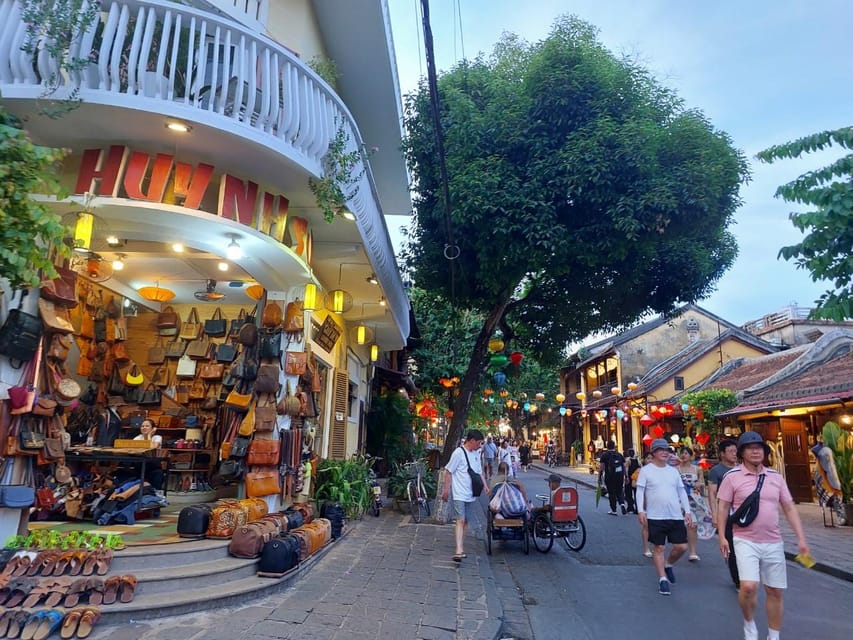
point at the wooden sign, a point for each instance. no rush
(329, 334)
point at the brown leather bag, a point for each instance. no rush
(157, 353)
(167, 319)
(263, 483)
(271, 316)
(225, 519)
(61, 290)
(264, 452)
(249, 540)
(257, 508)
(191, 329)
(199, 349)
(59, 346)
(294, 317)
(120, 353)
(295, 363)
(265, 416)
(211, 371)
(237, 400)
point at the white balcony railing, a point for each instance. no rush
(165, 51)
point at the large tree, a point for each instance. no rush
(826, 251)
(583, 195)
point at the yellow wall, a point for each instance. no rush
(293, 24)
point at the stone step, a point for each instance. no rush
(152, 556)
(189, 576)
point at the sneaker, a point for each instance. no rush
(750, 631)
(624, 509)
(670, 574)
(611, 513)
(663, 588)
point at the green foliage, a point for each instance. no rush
(841, 443)
(389, 428)
(326, 69)
(27, 227)
(826, 251)
(343, 167)
(346, 482)
(707, 404)
(584, 195)
(398, 481)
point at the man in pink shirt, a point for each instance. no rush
(759, 550)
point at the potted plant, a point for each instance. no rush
(841, 444)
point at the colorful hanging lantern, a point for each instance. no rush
(540, 396)
(496, 344)
(500, 378)
(560, 397)
(562, 411)
(685, 407)
(632, 386)
(516, 357)
(703, 438)
(620, 414)
(568, 412)
(448, 413)
(647, 439)
(580, 395)
(669, 409)
(646, 420)
(596, 394)
(498, 360)
(526, 406)
(503, 393)
(445, 382)
(658, 431)
(487, 392)
(615, 391)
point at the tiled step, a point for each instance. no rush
(152, 556)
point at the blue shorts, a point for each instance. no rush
(463, 510)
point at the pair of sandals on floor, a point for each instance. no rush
(29, 592)
(56, 563)
(38, 625)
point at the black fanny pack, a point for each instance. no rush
(748, 510)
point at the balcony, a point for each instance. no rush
(255, 108)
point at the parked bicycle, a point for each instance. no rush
(416, 491)
(376, 505)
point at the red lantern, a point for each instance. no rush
(703, 438)
(646, 420)
(516, 357)
(647, 439)
(658, 431)
(669, 409)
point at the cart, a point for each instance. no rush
(499, 528)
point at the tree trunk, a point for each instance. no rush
(476, 365)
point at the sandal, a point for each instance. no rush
(58, 592)
(75, 591)
(457, 557)
(21, 590)
(23, 564)
(32, 623)
(87, 621)
(693, 558)
(5, 619)
(49, 622)
(109, 593)
(16, 624)
(62, 563)
(102, 564)
(128, 587)
(75, 566)
(69, 624)
(89, 564)
(41, 590)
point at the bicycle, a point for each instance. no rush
(376, 504)
(561, 521)
(416, 491)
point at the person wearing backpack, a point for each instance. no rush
(613, 470)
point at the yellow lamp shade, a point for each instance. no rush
(374, 353)
(496, 344)
(156, 294)
(540, 396)
(560, 397)
(361, 334)
(615, 391)
(632, 386)
(580, 395)
(596, 394)
(310, 302)
(83, 230)
(255, 291)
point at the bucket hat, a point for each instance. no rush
(659, 443)
(751, 437)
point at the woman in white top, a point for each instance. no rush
(154, 473)
(149, 433)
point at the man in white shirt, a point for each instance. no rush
(490, 450)
(465, 457)
(505, 455)
(663, 506)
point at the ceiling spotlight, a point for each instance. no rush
(223, 266)
(233, 250)
(382, 300)
(178, 247)
(372, 279)
(113, 241)
(118, 263)
(179, 127)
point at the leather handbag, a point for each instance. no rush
(20, 335)
(134, 377)
(31, 436)
(236, 323)
(270, 347)
(182, 393)
(186, 367)
(265, 416)
(45, 406)
(262, 483)
(87, 326)
(61, 290)
(247, 425)
(65, 388)
(175, 348)
(238, 401)
(226, 352)
(212, 371)
(197, 391)
(199, 349)
(245, 366)
(239, 447)
(112, 308)
(157, 353)
(268, 379)
(54, 319)
(151, 395)
(216, 326)
(115, 385)
(191, 329)
(271, 315)
(120, 353)
(295, 363)
(263, 452)
(60, 344)
(167, 319)
(294, 317)
(17, 496)
(248, 334)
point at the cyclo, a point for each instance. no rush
(559, 520)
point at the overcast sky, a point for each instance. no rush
(763, 71)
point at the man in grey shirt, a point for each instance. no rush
(728, 460)
(489, 452)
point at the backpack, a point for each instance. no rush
(615, 463)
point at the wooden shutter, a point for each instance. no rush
(338, 436)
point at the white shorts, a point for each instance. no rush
(761, 560)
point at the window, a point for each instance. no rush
(678, 383)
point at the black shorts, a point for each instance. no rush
(662, 530)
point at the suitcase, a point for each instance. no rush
(294, 520)
(248, 541)
(193, 521)
(279, 556)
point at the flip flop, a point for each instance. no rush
(89, 564)
(24, 562)
(87, 621)
(5, 619)
(128, 587)
(102, 564)
(19, 619)
(32, 623)
(75, 591)
(110, 592)
(20, 592)
(58, 592)
(457, 557)
(69, 624)
(75, 566)
(50, 621)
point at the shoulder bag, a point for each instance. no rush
(476, 478)
(186, 367)
(20, 335)
(54, 319)
(157, 353)
(61, 290)
(167, 319)
(236, 323)
(191, 329)
(216, 325)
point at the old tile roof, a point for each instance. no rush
(742, 373)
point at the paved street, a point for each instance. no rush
(610, 585)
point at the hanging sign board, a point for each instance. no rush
(329, 334)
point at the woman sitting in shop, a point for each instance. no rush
(153, 470)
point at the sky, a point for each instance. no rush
(763, 71)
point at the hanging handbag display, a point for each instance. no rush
(20, 335)
(212, 371)
(270, 345)
(61, 290)
(65, 388)
(45, 406)
(168, 321)
(271, 315)
(60, 345)
(186, 367)
(226, 353)
(23, 395)
(265, 415)
(295, 363)
(245, 366)
(199, 349)
(237, 400)
(151, 395)
(216, 325)
(134, 377)
(247, 424)
(248, 334)
(236, 323)
(191, 329)
(54, 319)
(262, 483)
(263, 452)
(239, 447)
(120, 353)
(294, 317)
(268, 379)
(31, 435)
(157, 353)
(197, 391)
(115, 385)
(182, 393)
(175, 349)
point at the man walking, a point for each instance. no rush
(490, 449)
(758, 547)
(663, 507)
(612, 468)
(728, 460)
(466, 457)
